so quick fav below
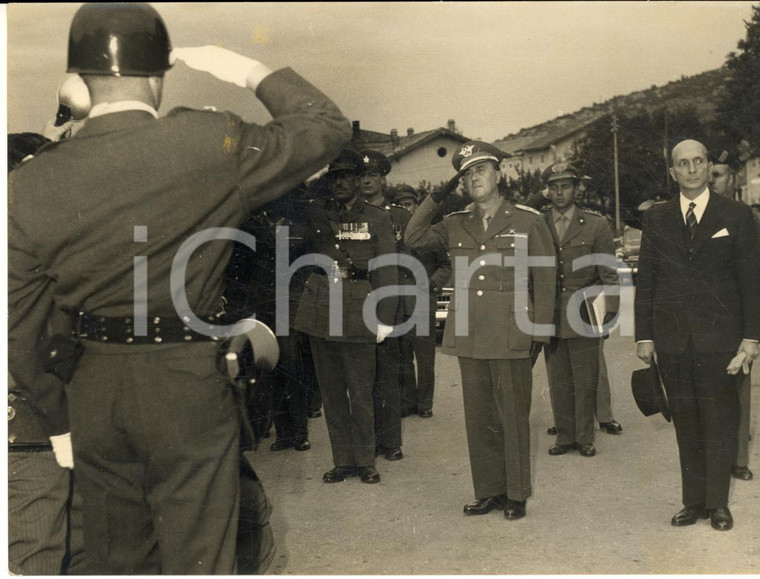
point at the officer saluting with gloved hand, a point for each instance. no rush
(498, 291)
(154, 425)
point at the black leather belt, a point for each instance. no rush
(30, 447)
(345, 273)
(161, 330)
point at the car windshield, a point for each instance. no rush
(632, 237)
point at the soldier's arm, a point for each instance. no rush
(645, 283)
(385, 276)
(605, 243)
(420, 234)
(442, 274)
(747, 259)
(544, 281)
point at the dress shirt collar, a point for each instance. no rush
(557, 216)
(700, 201)
(101, 109)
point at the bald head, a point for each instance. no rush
(690, 167)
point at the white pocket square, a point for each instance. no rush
(722, 233)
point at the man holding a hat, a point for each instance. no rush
(572, 359)
(350, 233)
(500, 313)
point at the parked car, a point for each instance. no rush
(627, 251)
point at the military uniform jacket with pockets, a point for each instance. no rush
(74, 207)
(706, 290)
(493, 331)
(587, 233)
(364, 233)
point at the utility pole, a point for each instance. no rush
(665, 154)
(618, 228)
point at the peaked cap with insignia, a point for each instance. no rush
(474, 152)
(374, 160)
(347, 160)
(560, 171)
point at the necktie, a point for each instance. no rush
(562, 227)
(691, 220)
(486, 222)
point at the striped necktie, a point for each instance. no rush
(691, 220)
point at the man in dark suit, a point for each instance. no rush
(697, 306)
(154, 425)
(492, 318)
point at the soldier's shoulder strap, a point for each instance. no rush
(526, 208)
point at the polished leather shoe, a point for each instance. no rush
(338, 474)
(483, 506)
(587, 450)
(688, 516)
(315, 413)
(426, 414)
(741, 472)
(552, 430)
(612, 427)
(281, 445)
(302, 444)
(557, 449)
(369, 474)
(514, 510)
(721, 519)
(393, 453)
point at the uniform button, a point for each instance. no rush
(481, 277)
(11, 397)
(130, 340)
(459, 245)
(185, 319)
(561, 275)
(188, 338)
(561, 262)
(482, 262)
(337, 246)
(482, 247)
(157, 339)
(104, 339)
(563, 289)
(156, 320)
(560, 249)
(480, 292)
(512, 245)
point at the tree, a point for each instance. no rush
(738, 109)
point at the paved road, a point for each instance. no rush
(609, 514)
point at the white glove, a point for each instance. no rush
(64, 453)
(383, 332)
(222, 63)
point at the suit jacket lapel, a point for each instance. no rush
(673, 227)
(574, 227)
(473, 226)
(501, 220)
(709, 224)
(550, 222)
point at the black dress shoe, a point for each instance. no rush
(426, 414)
(557, 449)
(338, 474)
(302, 444)
(587, 449)
(741, 472)
(688, 516)
(315, 413)
(281, 444)
(552, 430)
(721, 519)
(393, 453)
(483, 506)
(611, 427)
(369, 474)
(514, 510)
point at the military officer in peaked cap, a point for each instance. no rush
(349, 232)
(500, 313)
(387, 391)
(405, 196)
(572, 359)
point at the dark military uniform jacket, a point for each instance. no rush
(350, 242)
(75, 206)
(587, 233)
(493, 332)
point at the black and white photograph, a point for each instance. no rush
(382, 288)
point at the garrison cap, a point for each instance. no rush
(721, 156)
(374, 160)
(347, 160)
(474, 152)
(404, 192)
(560, 171)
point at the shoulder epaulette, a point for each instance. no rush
(594, 212)
(462, 212)
(526, 208)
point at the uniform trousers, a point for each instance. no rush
(419, 393)
(704, 403)
(573, 368)
(346, 374)
(497, 400)
(155, 431)
(387, 393)
(44, 517)
(289, 382)
(745, 398)
(603, 396)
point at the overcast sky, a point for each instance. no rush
(493, 67)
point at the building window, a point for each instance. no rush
(442, 152)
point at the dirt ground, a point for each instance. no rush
(609, 514)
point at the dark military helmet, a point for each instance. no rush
(348, 160)
(118, 40)
(372, 160)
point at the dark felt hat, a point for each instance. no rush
(649, 393)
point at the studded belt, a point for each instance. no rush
(160, 330)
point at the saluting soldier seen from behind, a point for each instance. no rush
(349, 232)
(572, 358)
(160, 494)
(500, 313)
(387, 390)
